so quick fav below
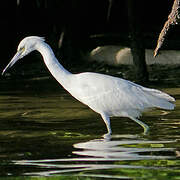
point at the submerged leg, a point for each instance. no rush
(108, 124)
(145, 126)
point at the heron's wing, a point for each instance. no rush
(117, 96)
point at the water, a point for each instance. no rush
(47, 134)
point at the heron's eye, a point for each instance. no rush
(22, 49)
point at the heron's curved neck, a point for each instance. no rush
(56, 69)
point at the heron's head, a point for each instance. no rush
(26, 46)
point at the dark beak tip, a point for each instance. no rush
(12, 62)
(4, 72)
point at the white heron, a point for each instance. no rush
(107, 95)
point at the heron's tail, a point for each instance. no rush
(159, 99)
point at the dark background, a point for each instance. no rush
(85, 24)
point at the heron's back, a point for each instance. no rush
(117, 97)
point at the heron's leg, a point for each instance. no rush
(107, 122)
(145, 126)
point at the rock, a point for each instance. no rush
(117, 55)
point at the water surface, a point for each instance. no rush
(47, 134)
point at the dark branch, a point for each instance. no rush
(109, 10)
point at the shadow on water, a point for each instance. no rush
(45, 135)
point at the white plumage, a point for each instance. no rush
(106, 95)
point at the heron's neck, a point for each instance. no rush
(56, 69)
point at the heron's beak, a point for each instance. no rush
(16, 57)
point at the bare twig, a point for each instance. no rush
(173, 18)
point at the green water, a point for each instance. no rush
(47, 134)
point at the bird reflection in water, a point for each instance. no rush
(126, 149)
